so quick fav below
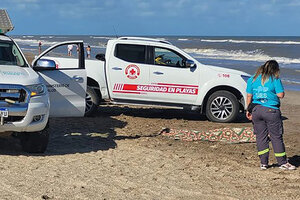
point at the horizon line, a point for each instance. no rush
(156, 35)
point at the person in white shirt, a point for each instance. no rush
(70, 47)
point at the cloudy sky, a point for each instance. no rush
(155, 17)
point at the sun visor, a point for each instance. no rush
(5, 23)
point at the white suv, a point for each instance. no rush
(28, 96)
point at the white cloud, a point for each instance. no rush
(217, 9)
(26, 5)
(143, 5)
(25, 1)
(293, 3)
(81, 8)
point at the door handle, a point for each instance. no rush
(158, 73)
(77, 78)
(117, 68)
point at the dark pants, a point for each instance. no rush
(267, 124)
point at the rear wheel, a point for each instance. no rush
(222, 106)
(91, 101)
(35, 142)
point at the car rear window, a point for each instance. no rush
(131, 53)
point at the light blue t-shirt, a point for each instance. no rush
(265, 95)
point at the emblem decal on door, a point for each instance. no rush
(132, 71)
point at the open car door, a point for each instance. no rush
(62, 69)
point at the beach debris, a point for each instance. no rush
(227, 135)
(45, 196)
(102, 135)
(75, 134)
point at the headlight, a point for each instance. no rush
(37, 90)
(245, 77)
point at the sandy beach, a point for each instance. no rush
(117, 154)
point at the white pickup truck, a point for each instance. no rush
(24, 100)
(145, 71)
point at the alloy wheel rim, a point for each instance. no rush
(221, 108)
(88, 103)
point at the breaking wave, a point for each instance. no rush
(102, 37)
(32, 42)
(252, 41)
(256, 55)
(27, 36)
(35, 43)
(295, 82)
(28, 49)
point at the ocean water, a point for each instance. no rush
(241, 53)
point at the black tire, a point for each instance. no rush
(222, 106)
(35, 142)
(91, 102)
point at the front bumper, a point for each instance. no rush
(37, 106)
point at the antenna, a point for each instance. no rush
(115, 32)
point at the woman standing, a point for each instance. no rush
(264, 91)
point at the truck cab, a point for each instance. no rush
(30, 95)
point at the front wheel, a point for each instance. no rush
(222, 106)
(35, 142)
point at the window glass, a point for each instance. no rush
(167, 57)
(64, 56)
(10, 54)
(65, 51)
(131, 53)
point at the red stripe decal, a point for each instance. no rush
(128, 92)
(130, 87)
(143, 89)
(176, 85)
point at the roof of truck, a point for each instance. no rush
(144, 39)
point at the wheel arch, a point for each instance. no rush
(233, 90)
(95, 85)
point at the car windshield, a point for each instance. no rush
(10, 54)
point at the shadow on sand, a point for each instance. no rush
(73, 135)
(295, 160)
(83, 135)
(160, 113)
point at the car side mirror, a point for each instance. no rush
(45, 64)
(100, 56)
(190, 64)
